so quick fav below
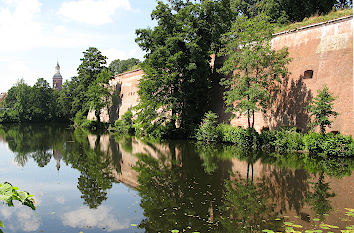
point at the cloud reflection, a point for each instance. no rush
(21, 219)
(99, 218)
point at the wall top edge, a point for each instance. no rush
(313, 25)
(128, 72)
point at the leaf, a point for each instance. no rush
(2, 224)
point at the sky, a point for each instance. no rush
(35, 34)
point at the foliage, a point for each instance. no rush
(246, 138)
(321, 109)
(125, 125)
(285, 11)
(329, 144)
(9, 193)
(177, 65)
(255, 70)
(120, 66)
(208, 130)
(315, 19)
(99, 92)
(26, 103)
(283, 140)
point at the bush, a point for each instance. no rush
(283, 140)
(208, 130)
(329, 144)
(81, 121)
(153, 130)
(240, 136)
(125, 125)
(8, 116)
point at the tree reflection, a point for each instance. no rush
(178, 193)
(248, 207)
(319, 197)
(42, 142)
(95, 166)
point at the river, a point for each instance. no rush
(104, 183)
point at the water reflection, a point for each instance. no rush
(193, 187)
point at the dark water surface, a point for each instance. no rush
(102, 183)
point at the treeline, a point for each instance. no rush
(87, 91)
(36, 103)
(287, 11)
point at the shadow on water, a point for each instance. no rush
(193, 187)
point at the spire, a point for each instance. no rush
(57, 68)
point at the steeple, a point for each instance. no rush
(57, 78)
(57, 68)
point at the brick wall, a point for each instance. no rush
(327, 50)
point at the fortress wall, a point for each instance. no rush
(126, 85)
(327, 50)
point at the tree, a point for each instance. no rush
(19, 100)
(42, 101)
(175, 85)
(119, 66)
(282, 11)
(99, 92)
(252, 67)
(91, 66)
(321, 109)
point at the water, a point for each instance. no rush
(101, 183)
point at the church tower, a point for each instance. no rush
(57, 79)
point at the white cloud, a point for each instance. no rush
(94, 12)
(113, 53)
(18, 26)
(22, 30)
(100, 217)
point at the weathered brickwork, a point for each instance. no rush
(324, 51)
(327, 51)
(125, 95)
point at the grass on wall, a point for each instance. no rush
(315, 19)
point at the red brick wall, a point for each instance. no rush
(327, 49)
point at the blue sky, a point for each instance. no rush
(35, 34)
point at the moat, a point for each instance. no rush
(104, 183)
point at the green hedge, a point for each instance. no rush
(283, 140)
(329, 144)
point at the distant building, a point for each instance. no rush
(2, 96)
(57, 78)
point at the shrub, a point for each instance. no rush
(338, 145)
(240, 136)
(208, 130)
(153, 130)
(283, 140)
(329, 144)
(125, 125)
(313, 142)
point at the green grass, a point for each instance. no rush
(314, 20)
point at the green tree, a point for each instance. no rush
(99, 92)
(19, 100)
(42, 101)
(91, 66)
(119, 66)
(321, 109)
(177, 66)
(252, 67)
